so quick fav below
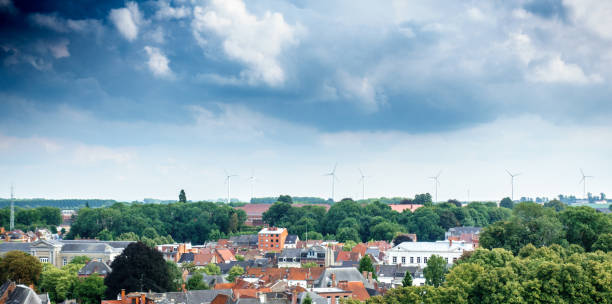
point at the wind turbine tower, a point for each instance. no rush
(333, 179)
(362, 180)
(12, 224)
(512, 176)
(436, 183)
(228, 178)
(252, 180)
(584, 181)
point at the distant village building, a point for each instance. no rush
(295, 257)
(469, 235)
(272, 238)
(417, 253)
(95, 268)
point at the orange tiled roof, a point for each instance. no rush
(201, 259)
(224, 285)
(402, 207)
(303, 274)
(357, 289)
(226, 255)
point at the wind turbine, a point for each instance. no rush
(362, 181)
(228, 178)
(512, 176)
(436, 183)
(252, 180)
(583, 181)
(333, 179)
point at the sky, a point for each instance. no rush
(131, 100)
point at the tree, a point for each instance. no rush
(555, 204)
(506, 202)
(58, 283)
(348, 245)
(276, 213)
(176, 276)
(435, 270)
(235, 272)
(400, 238)
(104, 235)
(196, 282)
(21, 267)
(307, 299)
(182, 196)
(310, 265)
(212, 269)
(189, 266)
(604, 243)
(89, 290)
(347, 234)
(285, 199)
(138, 268)
(407, 281)
(80, 260)
(365, 264)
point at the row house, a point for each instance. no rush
(469, 235)
(294, 257)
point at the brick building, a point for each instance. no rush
(272, 239)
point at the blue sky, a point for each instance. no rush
(128, 100)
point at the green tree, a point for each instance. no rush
(80, 260)
(89, 290)
(285, 199)
(105, 235)
(555, 204)
(176, 276)
(150, 232)
(584, 225)
(234, 272)
(347, 234)
(189, 266)
(58, 283)
(307, 299)
(277, 212)
(435, 270)
(348, 245)
(365, 264)
(604, 243)
(310, 265)
(407, 281)
(21, 267)
(212, 269)
(506, 202)
(182, 196)
(196, 282)
(139, 267)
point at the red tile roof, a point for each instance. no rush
(259, 209)
(402, 207)
(358, 290)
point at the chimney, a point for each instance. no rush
(377, 268)
(364, 274)
(333, 278)
(450, 242)
(370, 277)
(123, 299)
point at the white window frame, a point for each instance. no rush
(44, 259)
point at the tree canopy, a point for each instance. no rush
(138, 268)
(20, 267)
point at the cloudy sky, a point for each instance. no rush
(127, 100)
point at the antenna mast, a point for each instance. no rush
(12, 225)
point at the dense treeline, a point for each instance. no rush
(349, 220)
(536, 275)
(61, 203)
(296, 199)
(552, 223)
(195, 222)
(31, 218)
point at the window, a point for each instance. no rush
(411, 260)
(44, 260)
(394, 260)
(403, 260)
(418, 259)
(446, 260)
(454, 260)
(424, 259)
(65, 261)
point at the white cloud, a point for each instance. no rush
(158, 62)
(595, 15)
(360, 90)
(60, 48)
(166, 11)
(555, 70)
(61, 25)
(86, 154)
(257, 42)
(127, 20)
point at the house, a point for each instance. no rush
(466, 234)
(294, 257)
(290, 257)
(393, 275)
(12, 293)
(244, 241)
(224, 255)
(272, 239)
(60, 253)
(173, 252)
(332, 276)
(347, 256)
(94, 267)
(291, 241)
(417, 253)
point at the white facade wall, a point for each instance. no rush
(418, 253)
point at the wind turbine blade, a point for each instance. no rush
(581, 180)
(509, 173)
(361, 172)
(336, 165)
(518, 174)
(439, 174)
(581, 172)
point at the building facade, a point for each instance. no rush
(272, 239)
(417, 253)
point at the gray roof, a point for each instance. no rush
(10, 246)
(193, 296)
(291, 239)
(210, 280)
(247, 301)
(316, 299)
(349, 274)
(290, 253)
(245, 239)
(458, 231)
(225, 267)
(186, 257)
(114, 244)
(86, 247)
(391, 271)
(95, 267)
(373, 251)
(603, 210)
(21, 295)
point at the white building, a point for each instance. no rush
(417, 253)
